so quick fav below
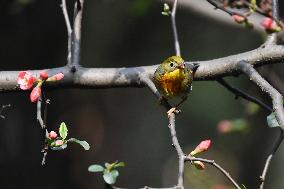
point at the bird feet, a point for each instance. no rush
(173, 110)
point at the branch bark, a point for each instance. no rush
(80, 77)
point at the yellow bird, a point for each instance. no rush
(173, 78)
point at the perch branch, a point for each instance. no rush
(177, 146)
(130, 77)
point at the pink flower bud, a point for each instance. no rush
(25, 80)
(59, 143)
(43, 75)
(203, 146)
(239, 19)
(56, 77)
(35, 94)
(52, 135)
(270, 25)
(199, 165)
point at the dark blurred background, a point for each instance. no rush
(128, 124)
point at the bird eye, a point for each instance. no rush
(171, 64)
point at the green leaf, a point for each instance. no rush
(63, 131)
(110, 176)
(120, 164)
(57, 148)
(272, 121)
(96, 168)
(165, 13)
(166, 7)
(83, 143)
(166, 10)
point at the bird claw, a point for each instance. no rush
(173, 110)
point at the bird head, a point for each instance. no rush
(172, 63)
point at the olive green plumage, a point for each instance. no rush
(173, 78)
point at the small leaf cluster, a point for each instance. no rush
(55, 142)
(166, 10)
(110, 172)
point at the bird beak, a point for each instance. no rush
(181, 66)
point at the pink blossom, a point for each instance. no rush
(59, 143)
(203, 146)
(35, 94)
(270, 25)
(239, 19)
(25, 80)
(52, 134)
(43, 75)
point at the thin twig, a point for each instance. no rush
(66, 17)
(69, 30)
(230, 12)
(178, 149)
(39, 117)
(213, 163)
(76, 34)
(277, 99)
(173, 19)
(47, 102)
(275, 9)
(244, 95)
(269, 158)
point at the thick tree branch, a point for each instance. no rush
(80, 77)
(277, 99)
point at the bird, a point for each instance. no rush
(173, 79)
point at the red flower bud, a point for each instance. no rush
(199, 165)
(239, 19)
(59, 143)
(52, 135)
(43, 75)
(35, 94)
(203, 146)
(270, 25)
(25, 80)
